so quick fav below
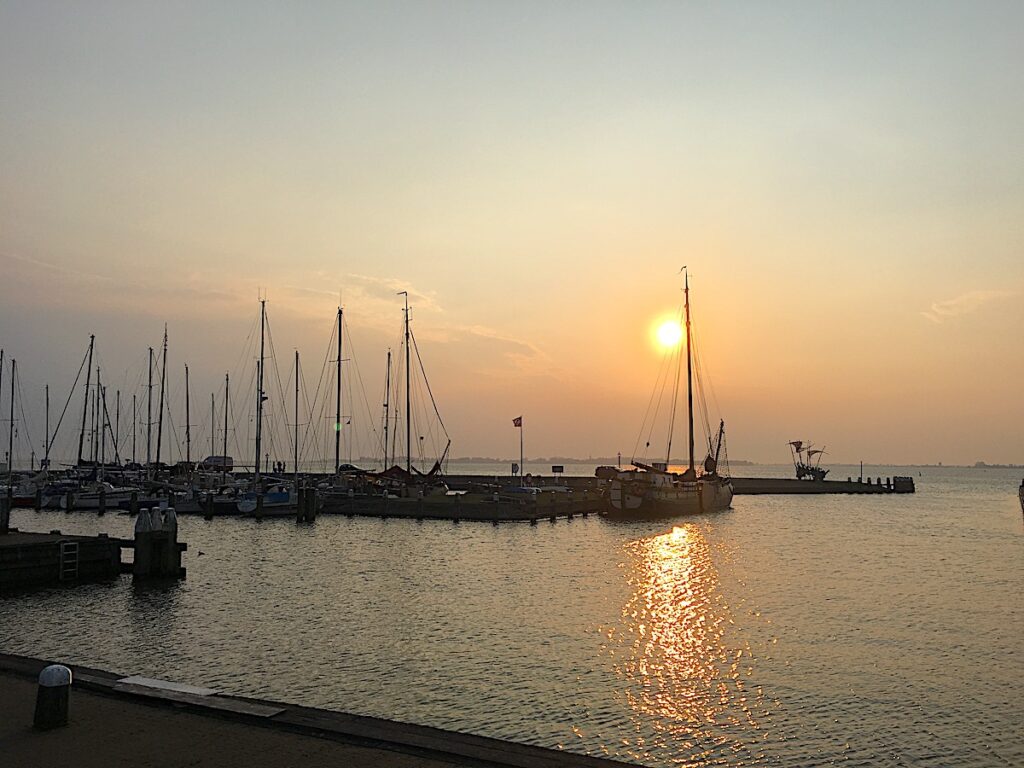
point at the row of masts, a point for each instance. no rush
(96, 423)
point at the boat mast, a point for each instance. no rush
(259, 387)
(408, 405)
(134, 428)
(689, 371)
(160, 413)
(295, 470)
(10, 428)
(337, 400)
(46, 435)
(94, 442)
(101, 396)
(224, 458)
(387, 405)
(85, 402)
(213, 424)
(149, 414)
(117, 427)
(188, 425)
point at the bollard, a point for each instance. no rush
(208, 506)
(69, 498)
(52, 697)
(259, 506)
(300, 504)
(39, 499)
(102, 501)
(133, 503)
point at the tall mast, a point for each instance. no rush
(259, 387)
(96, 419)
(10, 428)
(213, 424)
(85, 402)
(46, 435)
(689, 370)
(117, 427)
(408, 395)
(387, 404)
(101, 393)
(337, 399)
(134, 429)
(188, 424)
(224, 458)
(149, 413)
(295, 470)
(160, 413)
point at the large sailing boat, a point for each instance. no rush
(651, 490)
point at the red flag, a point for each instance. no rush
(517, 421)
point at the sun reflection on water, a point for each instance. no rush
(682, 666)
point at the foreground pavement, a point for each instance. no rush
(117, 721)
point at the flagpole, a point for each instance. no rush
(522, 462)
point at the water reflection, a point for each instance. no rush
(683, 672)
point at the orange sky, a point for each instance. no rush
(843, 183)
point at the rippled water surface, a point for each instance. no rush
(787, 631)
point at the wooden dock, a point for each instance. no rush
(30, 559)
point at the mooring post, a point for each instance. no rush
(311, 496)
(52, 697)
(103, 500)
(69, 500)
(39, 499)
(208, 506)
(300, 507)
(259, 506)
(133, 503)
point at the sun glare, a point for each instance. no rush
(670, 334)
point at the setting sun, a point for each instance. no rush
(670, 333)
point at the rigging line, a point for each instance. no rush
(316, 433)
(362, 387)
(657, 394)
(24, 418)
(650, 404)
(68, 402)
(426, 381)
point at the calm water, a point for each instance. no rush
(788, 631)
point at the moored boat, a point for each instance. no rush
(652, 490)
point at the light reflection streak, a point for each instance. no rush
(683, 679)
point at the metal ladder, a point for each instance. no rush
(68, 560)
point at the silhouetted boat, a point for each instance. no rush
(807, 460)
(651, 490)
(1020, 495)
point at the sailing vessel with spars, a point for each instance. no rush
(652, 490)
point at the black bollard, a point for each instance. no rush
(52, 697)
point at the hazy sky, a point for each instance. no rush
(845, 182)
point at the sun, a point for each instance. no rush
(670, 334)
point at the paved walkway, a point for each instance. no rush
(114, 722)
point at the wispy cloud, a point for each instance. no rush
(964, 304)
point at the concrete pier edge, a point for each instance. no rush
(361, 730)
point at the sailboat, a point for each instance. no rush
(807, 460)
(651, 490)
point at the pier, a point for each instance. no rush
(29, 559)
(496, 507)
(790, 485)
(134, 720)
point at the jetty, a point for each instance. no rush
(789, 485)
(500, 506)
(29, 559)
(173, 724)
